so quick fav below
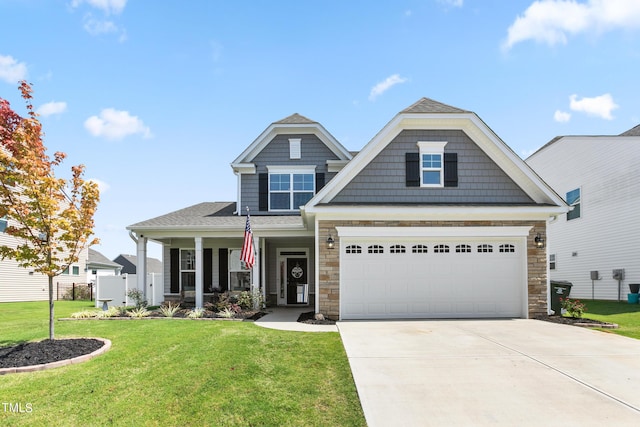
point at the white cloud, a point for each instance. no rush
(51, 108)
(551, 21)
(454, 3)
(599, 106)
(385, 85)
(107, 6)
(113, 124)
(12, 71)
(561, 116)
(97, 27)
(102, 186)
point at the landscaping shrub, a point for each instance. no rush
(137, 297)
(574, 308)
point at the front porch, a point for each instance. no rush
(197, 270)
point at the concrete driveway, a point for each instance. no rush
(492, 372)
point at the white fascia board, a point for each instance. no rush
(334, 166)
(453, 232)
(207, 232)
(245, 168)
(434, 213)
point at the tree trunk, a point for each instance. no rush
(51, 307)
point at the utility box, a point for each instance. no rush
(559, 289)
(595, 275)
(618, 274)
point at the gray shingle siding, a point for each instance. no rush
(276, 153)
(480, 180)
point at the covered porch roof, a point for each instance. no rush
(218, 219)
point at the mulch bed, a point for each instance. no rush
(309, 318)
(577, 321)
(47, 351)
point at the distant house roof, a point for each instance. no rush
(154, 265)
(98, 261)
(634, 131)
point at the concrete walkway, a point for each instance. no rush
(286, 319)
(492, 373)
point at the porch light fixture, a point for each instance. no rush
(539, 241)
(330, 242)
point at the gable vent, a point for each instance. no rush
(294, 148)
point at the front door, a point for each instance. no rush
(297, 284)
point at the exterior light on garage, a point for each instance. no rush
(330, 242)
(539, 240)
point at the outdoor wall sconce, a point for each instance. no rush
(539, 241)
(330, 242)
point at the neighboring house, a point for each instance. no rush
(129, 264)
(599, 176)
(435, 217)
(23, 284)
(100, 265)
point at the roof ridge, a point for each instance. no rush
(428, 105)
(296, 119)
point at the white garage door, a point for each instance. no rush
(432, 276)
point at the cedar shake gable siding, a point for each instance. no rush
(480, 180)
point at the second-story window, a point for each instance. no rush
(289, 191)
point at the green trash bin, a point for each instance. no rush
(559, 289)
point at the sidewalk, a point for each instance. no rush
(285, 319)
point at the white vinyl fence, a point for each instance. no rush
(115, 288)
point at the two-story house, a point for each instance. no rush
(436, 217)
(595, 245)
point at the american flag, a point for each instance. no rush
(248, 255)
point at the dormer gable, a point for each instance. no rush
(286, 165)
(295, 124)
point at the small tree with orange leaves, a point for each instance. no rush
(51, 218)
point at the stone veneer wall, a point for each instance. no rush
(329, 268)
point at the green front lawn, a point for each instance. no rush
(180, 372)
(626, 315)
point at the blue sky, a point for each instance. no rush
(157, 98)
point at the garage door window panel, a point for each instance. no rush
(354, 249)
(484, 248)
(441, 249)
(463, 249)
(419, 249)
(375, 249)
(397, 249)
(507, 248)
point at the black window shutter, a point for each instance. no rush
(174, 269)
(207, 269)
(450, 169)
(223, 269)
(412, 161)
(319, 181)
(263, 192)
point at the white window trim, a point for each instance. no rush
(579, 203)
(288, 170)
(186, 270)
(432, 147)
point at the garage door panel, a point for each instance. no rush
(432, 285)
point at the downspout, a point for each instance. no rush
(133, 236)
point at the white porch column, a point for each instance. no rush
(199, 285)
(263, 276)
(141, 268)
